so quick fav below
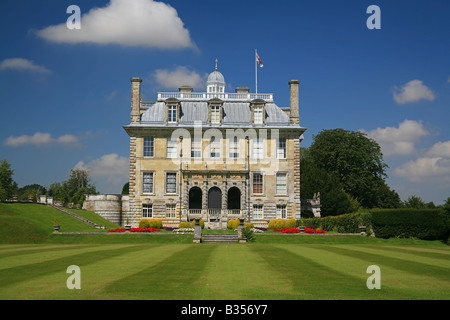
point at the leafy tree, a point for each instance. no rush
(32, 190)
(414, 202)
(74, 189)
(333, 198)
(355, 159)
(7, 185)
(126, 188)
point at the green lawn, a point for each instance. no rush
(171, 267)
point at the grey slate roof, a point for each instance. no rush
(233, 113)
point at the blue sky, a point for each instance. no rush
(65, 94)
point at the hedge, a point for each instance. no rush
(429, 224)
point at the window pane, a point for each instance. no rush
(172, 114)
(281, 212)
(171, 148)
(258, 115)
(257, 183)
(281, 148)
(214, 146)
(215, 114)
(281, 183)
(148, 182)
(147, 211)
(171, 182)
(170, 211)
(148, 146)
(258, 148)
(234, 148)
(196, 148)
(258, 212)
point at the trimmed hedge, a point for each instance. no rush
(150, 223)
(344, 223)
(428, 224)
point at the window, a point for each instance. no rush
(258, 211)
(214, 146)
(172, 114)
(215, 114)
(171, 211)
(258, 148)
(171, 182)
(147, 210)
(147, 182)
(149, 146)
(281, 148)
(258, 115)
(281, 211)
(281, 184)
(234, 148)
(171, 147)
(257, 183)
(196, 148)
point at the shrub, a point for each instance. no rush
(233, 224)
(277, 224)
(150, 223)
(248, 233)
(184, 225)
(291, 223)
(201, 222)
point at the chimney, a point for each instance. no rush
(294, 90)
(135, 99)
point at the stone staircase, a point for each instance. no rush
(92, 224)
(219, 238)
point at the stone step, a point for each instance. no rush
(219, 238)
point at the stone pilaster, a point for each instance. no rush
(297, 202)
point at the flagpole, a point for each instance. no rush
(256, 73)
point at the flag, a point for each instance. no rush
(258, 60)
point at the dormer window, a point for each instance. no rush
(172, 110)
(258, 115)
(258, 111)
(172, 114)
(215, 111)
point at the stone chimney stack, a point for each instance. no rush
(135, 99)
(294, 94)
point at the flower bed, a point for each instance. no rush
(134, 230)
(297, 230)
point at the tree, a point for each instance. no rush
(333, 198)
(7, 185)
(74, 189)
(31, 190)
(415, 202)
(355, 159)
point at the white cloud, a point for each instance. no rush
(440, 149)
(128, 23)
(21, 64)
(413, 91)
(110, 168)
(398, 140)
(179, 77)
(425, 168)
(41, 139)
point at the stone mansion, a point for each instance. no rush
(211, 155)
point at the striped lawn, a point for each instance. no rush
(224, 271)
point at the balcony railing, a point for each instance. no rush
(208, 214)
(199, 96)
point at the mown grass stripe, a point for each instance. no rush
(36, 249)
(13, 275)
(420, 253)
(311, 280)
(179, 276)
(393, 262)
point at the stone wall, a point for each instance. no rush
(108, 206)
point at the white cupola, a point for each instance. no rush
(215, 82)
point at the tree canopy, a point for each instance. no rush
(350, 164)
